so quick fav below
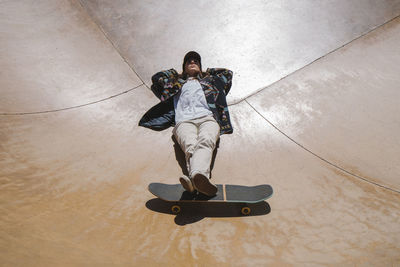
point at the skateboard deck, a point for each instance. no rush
(226, 193)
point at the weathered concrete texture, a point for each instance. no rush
(345, 107)
(53, 56)
(261, 41)
(75, 194)
(73, 182)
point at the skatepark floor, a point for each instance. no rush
(314, 106)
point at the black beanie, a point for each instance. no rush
(190, 55)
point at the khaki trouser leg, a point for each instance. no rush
(197, 139)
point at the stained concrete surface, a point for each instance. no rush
(73, 182)
(53, 57)
(263, 41)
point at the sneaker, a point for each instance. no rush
(203, 185)
(186, 183)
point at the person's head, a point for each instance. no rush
(191, 64)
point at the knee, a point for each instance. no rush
(207, 141)
(189, 150)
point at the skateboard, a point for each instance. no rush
(227, 193)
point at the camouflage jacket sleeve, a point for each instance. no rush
(224, 75)
(165, 84)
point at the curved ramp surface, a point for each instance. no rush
(262, 42)
(74, 167)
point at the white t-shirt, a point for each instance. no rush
(191, 102)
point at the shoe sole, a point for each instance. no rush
(185, 185)
(203, 185)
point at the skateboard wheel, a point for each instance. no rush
(246, 210)
(175, 209)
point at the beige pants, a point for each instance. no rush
(198, 138)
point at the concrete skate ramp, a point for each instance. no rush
(323, 131)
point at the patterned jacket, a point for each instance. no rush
(216, 84)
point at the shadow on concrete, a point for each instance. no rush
(192, 212)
